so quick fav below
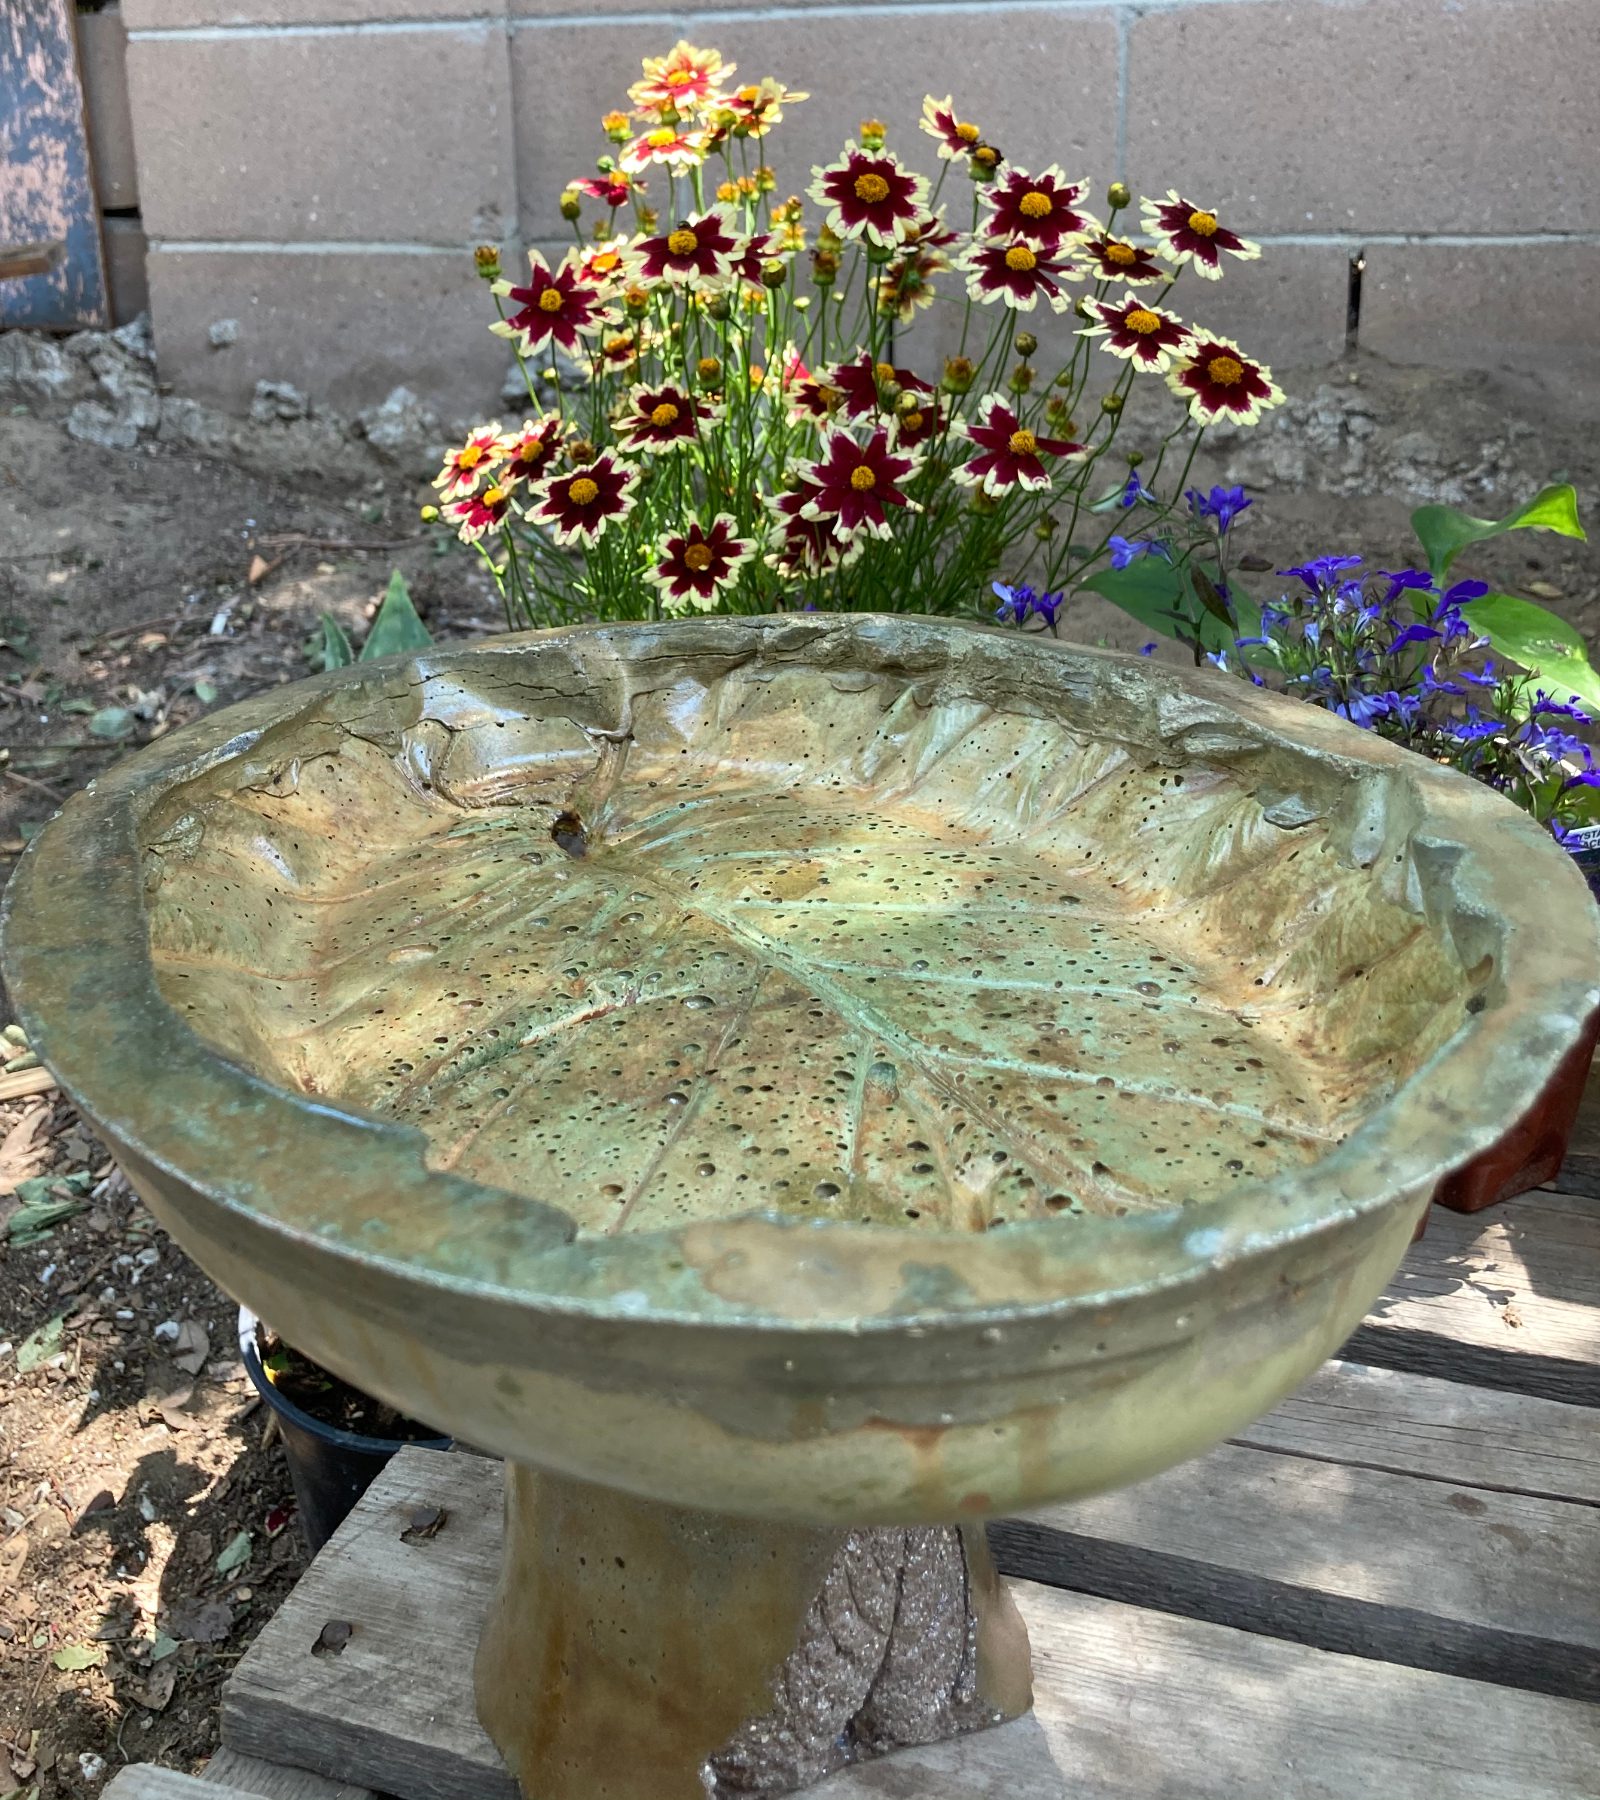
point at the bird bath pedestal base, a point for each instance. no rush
(644, 1652)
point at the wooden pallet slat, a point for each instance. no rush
(1128, 1701)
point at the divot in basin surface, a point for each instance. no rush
(829, 1069)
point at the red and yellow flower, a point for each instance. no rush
(1010, 455)
(576, 508)
(1038, 209)
(699, 249)
(1189, 233)
(955, 137)
(1220, 382)
(751, 253)
(1139, 332)
(603, 265)
(800, 546)
(615, 188)
(678, 146)
(700, 564)
(854, 483)
(753, 110)
(1115, 259)
(532, 450)
(917, 424)
(684, 80)
(554, 303)
(663, 417)
(870, 196)
(466, 466)
(1018, 273)
(862, 380)
(474, 515)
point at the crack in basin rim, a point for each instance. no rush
(81, 977)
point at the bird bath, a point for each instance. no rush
(795, 1087)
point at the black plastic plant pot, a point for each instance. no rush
(330, 1469)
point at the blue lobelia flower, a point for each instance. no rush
(1135, 490)
(1413, 634)
(1323, 571)
(1222, 504)
(1048, 605)
(1464, 591)
(1015, 602)
(1546, 707)
(1403, 581)
(1124, 550)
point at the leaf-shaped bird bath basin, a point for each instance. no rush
(832, 1072)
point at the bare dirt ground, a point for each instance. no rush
(156, 562)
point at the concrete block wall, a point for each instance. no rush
(315, 169)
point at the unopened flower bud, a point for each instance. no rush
(983, 502)
(1021, 378)
(728, 191)
(616, 127)
(1059, 412)
(873, 132)
(773, 273)
(708, 369)
(824, 268)
(1081, 308)
(718, 306)
(766, 180)
(636, 303)
(1111, 404)
(487, 257)
(1027, 343)
(429, 514)
(906, 401)
(581, 450)
(1064, 379)
(571, 204)
(1119, 195)
(1045, 529)
(880, 253)
(891, 394)
(986, 160)
(958, 374)
(1135, 457)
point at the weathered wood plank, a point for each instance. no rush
(1507, 1298)
(1134, 1703)
(1466, 1581)
(1442, 1430)
(1128, 1701)
(275, 1781)
(144, 1781)
(1580, 1173)
(46, 184)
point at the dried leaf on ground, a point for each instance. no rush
(155, 1690)
(201, 1621)
(20, 1152)
(13, 1554)
(40, 1345)
(235, 1554)
(172, 1407)
(191, 1347)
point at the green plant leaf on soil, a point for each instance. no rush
(1151, 590)
(1444, 531)
(162, 1647)
(235, 1554)
(205, 692)
(397, 627)
(333, 651)
(43, 1207)
(1543, 644)
(73, 1657)
(113, 722)
(40, 1344)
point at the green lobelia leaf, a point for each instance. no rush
(1444, 531)
(397, 627)
(1545, 645)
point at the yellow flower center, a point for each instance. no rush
(1142, 320)
(664, 415)
(697, 557)
(619, 345)
(683, 242)
(1226, 371)
(1022, 443)
(470, 457)
(987, 155)
(872, 188)
(708, 368)
(1121, 254)
(679, 78)
(493, 496)
(882, 372)
(550, 300)
(749, 95)
(583, 491)
(728, 191)
(862, 479)
(1034, 205)
(911, 421)
(1020, 259)
(969, 134)
(1203, 222)
(658, 140)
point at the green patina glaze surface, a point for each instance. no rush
(833, 1068)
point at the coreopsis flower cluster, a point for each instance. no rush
(728, 405)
